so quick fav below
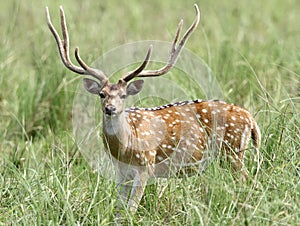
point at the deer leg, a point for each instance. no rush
(237, 165)
(123, 192)
(137, 191)
(130, 186)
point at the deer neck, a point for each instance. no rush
(116, 131)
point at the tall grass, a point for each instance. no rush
(252, 49)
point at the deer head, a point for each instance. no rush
(113, 95)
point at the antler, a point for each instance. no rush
(137, 71)
(63, 48)
(174, 52)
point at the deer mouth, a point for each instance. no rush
(111, 114)
(110, 110)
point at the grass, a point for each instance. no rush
(253, 51)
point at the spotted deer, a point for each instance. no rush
(164, 141)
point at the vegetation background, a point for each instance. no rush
(253, 49)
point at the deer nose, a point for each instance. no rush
(110, 109)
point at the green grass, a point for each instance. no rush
(253, 50)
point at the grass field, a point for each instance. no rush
(253, 50)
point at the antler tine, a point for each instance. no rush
(175, 51)
(138, 70)
(96, 73)
(63, 45)
(63, 48)
(191, 28)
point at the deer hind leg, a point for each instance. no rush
(235, 160)
(234, 151)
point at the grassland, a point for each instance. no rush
(253, 50)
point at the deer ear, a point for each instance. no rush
(91, 86)
(135, 87)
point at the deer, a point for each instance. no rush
(172, 140)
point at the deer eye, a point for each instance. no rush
(102, 95)
(123, 96)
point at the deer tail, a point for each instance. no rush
(256, 139)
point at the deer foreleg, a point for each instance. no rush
(130, 187)
(137, 191)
